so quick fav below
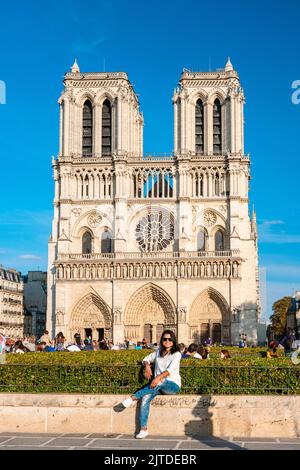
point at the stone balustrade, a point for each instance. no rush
(150, 255)
(149, 269)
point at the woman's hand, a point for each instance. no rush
(147, 372)
(155, 382)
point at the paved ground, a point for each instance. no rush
(35, 441)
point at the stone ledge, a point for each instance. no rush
(204, 415)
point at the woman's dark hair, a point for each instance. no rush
(174, 348)
(19, 345)
(193, 347)
(202, 351)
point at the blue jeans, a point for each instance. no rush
(147, 394)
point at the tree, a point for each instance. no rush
(278, 319)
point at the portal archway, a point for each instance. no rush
(91, 316)
(148, 312)
(209, 317)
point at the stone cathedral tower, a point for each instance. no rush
(143, 243)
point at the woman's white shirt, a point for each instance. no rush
(169, 362)
(197, 356)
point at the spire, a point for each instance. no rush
(75, 68)
(228, 66)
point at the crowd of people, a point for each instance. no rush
(287, 344)
(23, 345)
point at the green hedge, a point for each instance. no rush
(121, 372)
(243, 356)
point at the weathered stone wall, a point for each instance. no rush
(231, 416)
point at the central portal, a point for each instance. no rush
(149, 311)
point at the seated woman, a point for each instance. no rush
(203, 351)
(19, 348)
(60, 342)
(166, 380)
(192, 352)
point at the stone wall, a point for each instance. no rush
(230, 416)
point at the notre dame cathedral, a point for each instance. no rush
(143, 243)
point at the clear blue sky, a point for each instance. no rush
(152, 42)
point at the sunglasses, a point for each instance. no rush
(167, 339)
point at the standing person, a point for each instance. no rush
(77, 339)
(166, 380)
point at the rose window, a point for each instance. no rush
(155, 231)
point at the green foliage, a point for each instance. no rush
(82, 357)
(278, 319)
(247, 372)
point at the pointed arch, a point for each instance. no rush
(104, 95)
(216, 94)
(149, 305)
(82, 221)
(199, 94)
(210, 317)
(91, 312)
(84, 96)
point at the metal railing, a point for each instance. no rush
(116, 378)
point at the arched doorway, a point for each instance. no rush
(91, 317)
(209, 317)
(148, 312)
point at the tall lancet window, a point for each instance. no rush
(199, 127)
(202, 240)
(106, 128)
(87, 129)
(217, 127)
(106, 242)
(86, 243)
(219, 241)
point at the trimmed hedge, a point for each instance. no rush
(121, 372)
(243, 356)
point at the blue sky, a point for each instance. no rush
(152, 42)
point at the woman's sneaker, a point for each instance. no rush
(143, 433)
(128, 402)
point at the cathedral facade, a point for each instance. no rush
(143, 243)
